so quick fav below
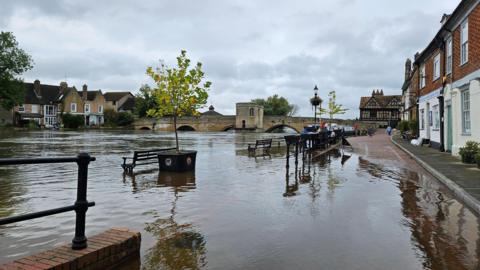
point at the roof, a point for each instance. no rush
(381, 100)
(211, 112)
(445, 29)
(128, 105)
(115, 96)
(91, 95)
(49, 94)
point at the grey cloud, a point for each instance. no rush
(249, 48)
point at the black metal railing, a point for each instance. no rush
(80, 206)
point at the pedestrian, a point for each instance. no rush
(370, 131)
(389, 131)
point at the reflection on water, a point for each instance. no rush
(178, 246)
(338, 211)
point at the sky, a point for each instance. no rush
(249, 48)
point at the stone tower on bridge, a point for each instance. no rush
(249, 116)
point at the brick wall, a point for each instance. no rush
(430, 84)
(105, 251)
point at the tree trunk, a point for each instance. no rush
(176, 134)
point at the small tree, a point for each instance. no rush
(13, 63)
(179, 91)
(333, 108)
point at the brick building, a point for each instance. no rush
(45, 104)
(448, 80)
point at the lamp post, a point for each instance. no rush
(315, 101)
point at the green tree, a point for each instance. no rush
(275, 105)
(179, 91)
(144, 100)
(13, 63)
(333, 108)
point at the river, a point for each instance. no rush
(347, 210)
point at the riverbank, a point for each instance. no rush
(462, 179)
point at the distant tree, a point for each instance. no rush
(179, 91)
(72, 120)
(144, 100)
(333, 108)
(111, 117)
(275, 105)
(124, 119)
(13, 63)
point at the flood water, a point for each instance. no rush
(342, 211)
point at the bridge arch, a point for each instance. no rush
(269, 130)
(227, 128)
(145, 128)
(185, 128)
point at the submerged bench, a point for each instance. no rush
(265, 145)
(143, 157)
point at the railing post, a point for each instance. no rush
(81, 204)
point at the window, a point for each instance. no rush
(365, 114)
(252, 112)
(464, 42)
(436, 67)
(35, 108)
(449, 56)
(436, 117)
(21, 108)
(466, 112)
(49, 110)
(422, 76)
(430, 118)
(100, 109)
(422, 119)
(87, 108)
(73, 107)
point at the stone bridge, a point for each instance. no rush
(222, 123)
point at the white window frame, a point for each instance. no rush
(464, 42)
(73, 107)
(436, 67)
(466, 106)
(49, 110)
(422, 76)
(21, 108)
(449, 56)
(100, 108)
(87, 108)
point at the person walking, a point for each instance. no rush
(389, 131)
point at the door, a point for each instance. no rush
(449, 129)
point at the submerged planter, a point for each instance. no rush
(171, 161)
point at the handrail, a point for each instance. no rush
(81, 204)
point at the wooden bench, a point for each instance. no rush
(265, 145)
(144, 157)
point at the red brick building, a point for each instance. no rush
(446, 78)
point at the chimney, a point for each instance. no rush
(84, 92)
(416, 56)
(408, 68)
(444, 19)
(63, 87)
(36, 88)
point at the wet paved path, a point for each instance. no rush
(373, 208)
(466, 176)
